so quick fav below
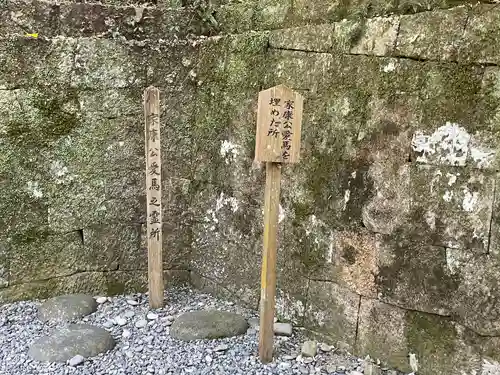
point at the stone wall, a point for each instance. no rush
(388, 226)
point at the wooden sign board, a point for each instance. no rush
(279, 122)
(153, 193)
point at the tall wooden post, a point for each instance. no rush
(153, 193)
(277, 142)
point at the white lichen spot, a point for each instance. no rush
(61, 173)
(490, 367)
(353, 175)
(229, 201)
(121, 143)
(413, 362)
(389, 67)
(452, 260)
(281, 214)
(430, 219)
(479, 235)
(451, 178)
(288, 307)
(470, 200)
(448, 145)
(329, 254)
(229, 151)
(319, 317)
(211, 214)
(482, 157)
(347, 195)
(448, 195)
(345, 107)
(34, 190)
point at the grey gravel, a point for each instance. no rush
(159, 353)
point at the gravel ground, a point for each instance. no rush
(150, 350)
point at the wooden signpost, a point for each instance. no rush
(279, 123)
(153, 193)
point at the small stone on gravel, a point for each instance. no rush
(325, 347)
(141, 323)
(282, 329)
(129, 314)
(120, 321)
(132, 302)
(152, 316)
(221, 348)
(309, 348)
(126, 334)
(101, 300)
(76, 360)
(67, 307)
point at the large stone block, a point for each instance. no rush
(488, 111)
(21, 17)
(381, 334)
(376, 36)
(114, 198)
(324, 11)
(415, 275)
(85, 282)
(389, 206)
(97, 105)
(432, 35)
(452, 206)
(36, 117)
(480, 36)
(333, 312)
(313, 38)
(105, 63)
(39, 255)
(97, 182)
(115, 247)
(450, 94)
(433, 344)
(235, 18)
(272, 14)
(478, 293)
(296, 69)
(176, 245)
(226, 242)
(26, 61)
(173, 65)
(441, 346)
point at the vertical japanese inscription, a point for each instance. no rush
(279, 125)
(153, 193)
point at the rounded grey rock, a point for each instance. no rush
(70, 341)
(208, 325)
(67, 307)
